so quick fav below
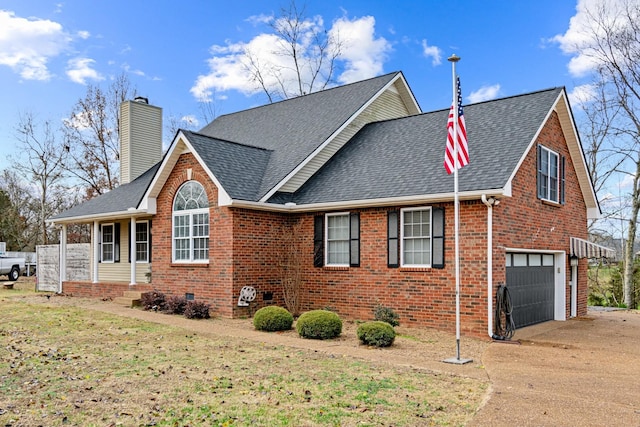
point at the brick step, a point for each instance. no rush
(127, 301)
(132, 294)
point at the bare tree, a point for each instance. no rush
(43, 171)
(611, 41)
(92, 136)
(306, 57)
(292, 266)
(12, 225)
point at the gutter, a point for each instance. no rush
(364, 203)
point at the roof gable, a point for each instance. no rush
(297, 128)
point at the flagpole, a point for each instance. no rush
(456, 165)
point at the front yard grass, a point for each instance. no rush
(69, 366)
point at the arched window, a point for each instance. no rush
(191, 224)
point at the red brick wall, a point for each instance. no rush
(524, 221)
(212, 281)
(248, 248)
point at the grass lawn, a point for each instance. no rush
(70, 366)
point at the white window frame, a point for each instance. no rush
(403, 238)
(111, 244)
(327, 240)
(547, 153)
(145, 242)
(189, 237)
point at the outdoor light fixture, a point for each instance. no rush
(574, 261)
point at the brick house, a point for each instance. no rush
(344, 192)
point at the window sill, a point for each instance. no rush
(415, 268)
(335, 268)
(189, 264)
(551, 203)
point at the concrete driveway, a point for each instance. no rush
(582, 372)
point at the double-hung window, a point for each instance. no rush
(142, 241)
(337, 240)
(191, 224)
(108, 243)
(550, 175)
(416, 237)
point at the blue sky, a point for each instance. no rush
(177, 52)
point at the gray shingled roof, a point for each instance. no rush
(117, 200)
(294, 128)
(238, 167)
(404, 157)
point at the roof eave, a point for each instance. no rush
(367, 203)
(83, 219)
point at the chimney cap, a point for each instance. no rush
(141, 99)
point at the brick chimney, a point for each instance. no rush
(140, 138)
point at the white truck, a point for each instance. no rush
(12, 267)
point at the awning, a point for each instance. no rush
(585, 249)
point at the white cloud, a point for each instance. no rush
(26, 45)
(581, 37)
(79, 70)
(581, 95)
(363, 53)
(485, 93)
(433, 52)
(84, 34)
(362, 57)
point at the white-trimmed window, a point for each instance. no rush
(415, 241)
(337, 239)
(191, 224)
(142, 241)
(550, 175)
(108, 243)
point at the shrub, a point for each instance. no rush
(196, 310)
(272, 318)
(386, 314)
(175, 305)
(319, 324)
(154, 300)
(376, 333)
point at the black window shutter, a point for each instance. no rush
(99, 240)
(393, 241)
(116, 242)
(318, 241)
(129, 240)
(437, 237)
(541, 175)
(149, 245)
(562, 176)
(354, 240)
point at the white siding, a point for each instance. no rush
(389, 105)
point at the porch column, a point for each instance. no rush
(96, 250)
(132, 245)
(63, 256)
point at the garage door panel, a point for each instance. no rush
(532, 292)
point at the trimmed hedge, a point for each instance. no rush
(272, 318)
(319, 324)
(386, 314)
(376, 333)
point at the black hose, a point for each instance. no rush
(504, 327)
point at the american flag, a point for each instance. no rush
(463, 149)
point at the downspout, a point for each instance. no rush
(489, 203)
